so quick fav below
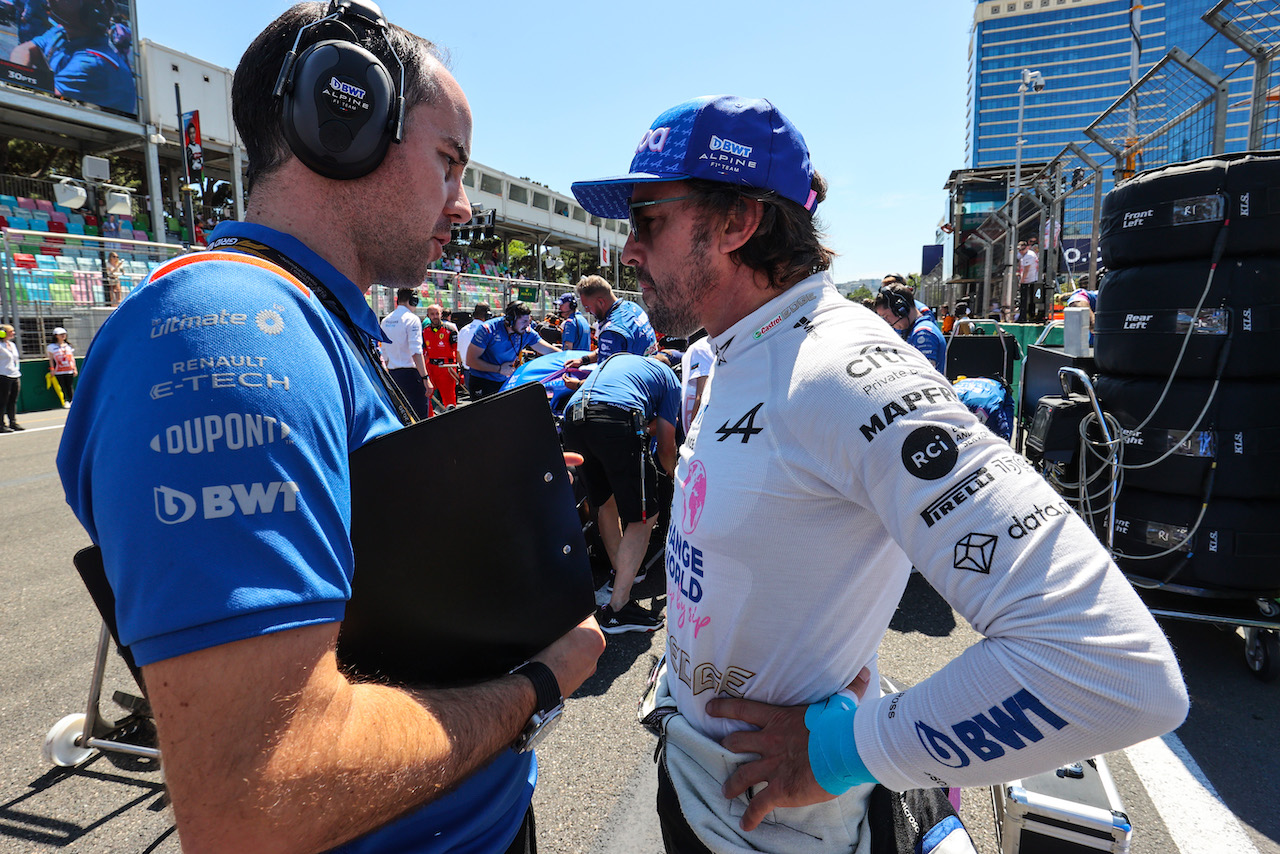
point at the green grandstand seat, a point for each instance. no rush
(91, 230)
(60, 287)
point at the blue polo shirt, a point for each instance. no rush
(575, 333)
(88, 69)
(626, 329)
(633, 382)
(500, 346)
(208, 456)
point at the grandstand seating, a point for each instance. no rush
(27, 204)
(44, 205)
(8, 201)
(59, 216)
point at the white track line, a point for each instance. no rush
(26, 430)
(1193, 812)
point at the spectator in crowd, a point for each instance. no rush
(609, 420)
(495, 348)
(826, 461)
(111, 273)
(402, 351)
(948, 319)
(10, 379)
(1028, 277)
(440, 342)
(964, 324)
(231, 599)
(82, 62)
(623, 326)
(62, 364)
(897, 305)
(575, 331)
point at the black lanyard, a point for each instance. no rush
(364, 343)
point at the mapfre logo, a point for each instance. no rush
(174, 507)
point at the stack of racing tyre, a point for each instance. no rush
(1187, 345)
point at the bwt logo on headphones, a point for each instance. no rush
(654, 139)
(346, 88)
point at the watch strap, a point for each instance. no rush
(545, 685)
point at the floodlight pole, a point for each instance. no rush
(1028, 78)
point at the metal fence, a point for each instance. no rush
(1176, 112)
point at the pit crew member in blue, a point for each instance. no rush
(82, 62)
(623, 326)
(494, 352)
(897, 305)
(575, 331)
(207, 455)
(828, 457)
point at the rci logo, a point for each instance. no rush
(930, 453)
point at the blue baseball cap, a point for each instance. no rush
(721, 138)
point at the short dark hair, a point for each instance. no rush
(787, 244)
(481, 310)
(403, 295)
(257, 112)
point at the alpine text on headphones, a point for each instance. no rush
(340, 108)
(899, 303)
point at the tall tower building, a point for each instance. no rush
(1087, 50)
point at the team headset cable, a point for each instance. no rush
(1113, 458)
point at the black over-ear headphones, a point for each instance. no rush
(899, 303)
(513, 308)
(341, 110)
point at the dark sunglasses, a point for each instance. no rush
(636, 231)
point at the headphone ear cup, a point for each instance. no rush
(337, 110)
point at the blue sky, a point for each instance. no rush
(562, 90)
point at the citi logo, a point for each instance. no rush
(174, 507)
(728, 146)
(346, 88)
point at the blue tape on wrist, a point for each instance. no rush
(833, 755)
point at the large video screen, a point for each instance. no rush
(76, 49)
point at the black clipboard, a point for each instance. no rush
(480, 561)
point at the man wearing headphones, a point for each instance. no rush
(403, 352)
(575, 331)
(897, 305)
(494, 351)
(208, 457)
(76, 54)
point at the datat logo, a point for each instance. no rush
(730, 147)
(232, 431)
(975, 552)
(1038, 517)
(218, 502)
(989, 736)
(929, 453)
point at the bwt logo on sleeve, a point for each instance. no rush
(218, 502)
(986, 735)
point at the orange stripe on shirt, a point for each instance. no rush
(184, 260)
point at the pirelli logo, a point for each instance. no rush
(957, 495)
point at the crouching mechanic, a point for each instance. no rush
(897, 305)
(609, 420)
(220, 491)
(828, 457)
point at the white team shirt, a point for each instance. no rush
(404, 329)
(695, 363)
(465, 334)
(828, 457)
(1029, 265)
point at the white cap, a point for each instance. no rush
(58, 330)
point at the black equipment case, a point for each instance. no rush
(1072, 810)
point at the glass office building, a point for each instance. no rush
(1084, 49)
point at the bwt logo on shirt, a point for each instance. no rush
(986, 735)
(218, 502)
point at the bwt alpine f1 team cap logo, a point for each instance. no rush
(721, 138)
